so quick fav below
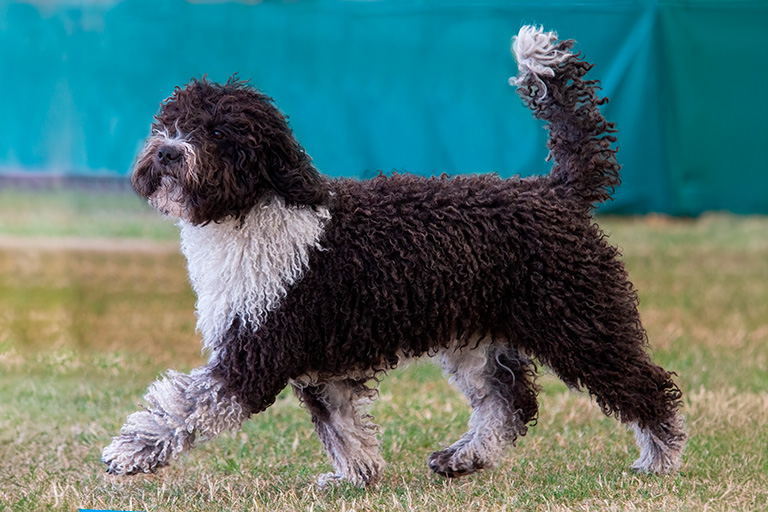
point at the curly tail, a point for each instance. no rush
(550, 82)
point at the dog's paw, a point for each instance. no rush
(661, 449)
(453, 463)
(364, 478)
(148, 441)
(128, 455)
(328, 480)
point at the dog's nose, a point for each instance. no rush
(167, 154)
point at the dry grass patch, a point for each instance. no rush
(84, 330)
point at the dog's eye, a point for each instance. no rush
(217, 134)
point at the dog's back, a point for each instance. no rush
(426, 263)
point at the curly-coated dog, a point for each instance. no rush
(324, 284)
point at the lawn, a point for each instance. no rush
(94, 305)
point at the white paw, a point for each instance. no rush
(128, 455)
(327, 480)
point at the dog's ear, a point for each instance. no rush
(271, 150)
(292, 175)
(288, 170)
(303, 185)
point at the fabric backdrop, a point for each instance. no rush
(418, 86)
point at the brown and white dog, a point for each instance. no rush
(325, 284)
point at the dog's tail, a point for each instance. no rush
(550, 82)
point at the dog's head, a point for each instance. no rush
(216, 149)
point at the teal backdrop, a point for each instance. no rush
(418, 86)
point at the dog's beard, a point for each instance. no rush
(168, 199)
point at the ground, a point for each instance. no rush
(94, 304)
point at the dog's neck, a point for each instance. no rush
(244, 267)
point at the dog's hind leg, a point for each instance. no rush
(499, 384)
(180, 407)
(348, 433)
(617, 371)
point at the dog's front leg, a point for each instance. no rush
(345, 429)
(179, 407)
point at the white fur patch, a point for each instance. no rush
(245, 269)
(180, 406)
(489, 430)
(661, 456)
(194, 402)
(168, 199)
(536, 55)
(349, 435)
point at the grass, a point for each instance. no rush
(76, 213)
(86, 326)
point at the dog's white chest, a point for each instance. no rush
(244, 269)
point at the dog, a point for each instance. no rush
(326, 284)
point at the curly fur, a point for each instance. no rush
(347, 432)
(325, 284)
(180, 407)
(499, 385)
(268, 250)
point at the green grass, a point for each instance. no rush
(77, 213)
(84, 330)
